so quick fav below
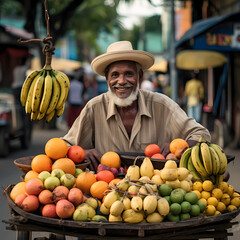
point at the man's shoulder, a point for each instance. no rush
(100, 99)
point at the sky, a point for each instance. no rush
(132, 13)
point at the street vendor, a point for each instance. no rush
(127, 118)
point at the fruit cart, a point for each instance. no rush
(215, 227)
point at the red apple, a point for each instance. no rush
(114, 171)
(102, 167)
(76, 154)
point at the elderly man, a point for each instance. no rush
(126, 118)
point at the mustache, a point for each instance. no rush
(127, 85)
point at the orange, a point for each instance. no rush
(66, 164)
(56, 148)
(98, 188)
(76, 153)
(152, 149)
(30, 174)
(158, 156)
(19, 188)
(41, 163)
(177, 146)
(114, 182)
(105, 175)
(84, 181)
(111, 159)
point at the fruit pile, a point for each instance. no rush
(205, 161)
(55, 187)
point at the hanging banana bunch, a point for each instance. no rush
(44, 92)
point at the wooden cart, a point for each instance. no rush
(215, 227)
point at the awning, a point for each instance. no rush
(201, 26)
(160, 66)
(57, 64)
(199, 59)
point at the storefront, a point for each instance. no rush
(222, 96)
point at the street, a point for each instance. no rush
(10, 174)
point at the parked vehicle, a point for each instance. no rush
(13, 124)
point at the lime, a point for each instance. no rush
(186, 207)
(176, 197)
(181, 190)
(175, 208)
(168, 199)
(195, 211)
(191, 197)
(185, 216)
(173, 218)
(202, 205)
(165, 190)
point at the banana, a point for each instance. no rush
(60, 111)
(184, 158)
(206, 157)
(28, 104)
(34, 115)
(47, 93)
(222, 157)
(56, 91)
(37, 93)
(215, 161)
(26, 86)
(64, 89)
(50, 116)
(193, 171)
(197, 161)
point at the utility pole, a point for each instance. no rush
(173, 71)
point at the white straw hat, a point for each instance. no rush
(119, 51)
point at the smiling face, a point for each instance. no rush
(123, 78)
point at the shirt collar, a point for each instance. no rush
(142, 108)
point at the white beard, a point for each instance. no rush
(124, 102)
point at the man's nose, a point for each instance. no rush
(121, 79)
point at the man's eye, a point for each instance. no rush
(114, 74)
(129, 73)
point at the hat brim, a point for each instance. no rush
(99, 64)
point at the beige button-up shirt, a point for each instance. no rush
(159, 120)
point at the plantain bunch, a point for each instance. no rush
(205, 161)
(44, 93)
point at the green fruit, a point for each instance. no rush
(186, 207)
(173, 218)
(202, 205)
(185, 216)
(176, 197)
(191, 197)
(77, 172)
(175, 208)
(195, 211)
(180, 190)
(165, 190)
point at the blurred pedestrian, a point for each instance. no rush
(75, 96)
(147, 85)
(194, 91)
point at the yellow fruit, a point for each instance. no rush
(198, 194)
(207, 185)
(17, 189)
(30, 174)
(212, 201)
(225, 199)
(235, 201)
(217, 193)
(223, 186)
(210, 210)
(230, 190)
(217, 213)
(197, 186)
(203, 200)
(221, 207)
(231, 207)
(206, 194)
